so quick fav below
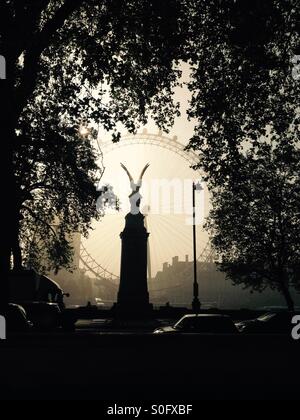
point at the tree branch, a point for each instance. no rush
(27, 18)
(39, 43)
(39, 219)
(42, 39)
(40, 186)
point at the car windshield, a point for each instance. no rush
(180, 323)
(266, 317)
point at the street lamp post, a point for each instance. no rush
(196, 301)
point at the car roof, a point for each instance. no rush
(51, 283)
(206, 316)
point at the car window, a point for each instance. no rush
(181, 323)
(209, 325)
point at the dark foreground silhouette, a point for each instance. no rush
(178, 368)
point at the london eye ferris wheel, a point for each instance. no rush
(166, 204)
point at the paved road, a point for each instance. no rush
(89, 365)
(104, 326)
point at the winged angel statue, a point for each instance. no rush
(135, 196)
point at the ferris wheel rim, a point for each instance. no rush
(159, 140)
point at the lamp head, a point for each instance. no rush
(198, 186)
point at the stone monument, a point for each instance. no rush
(133, 296)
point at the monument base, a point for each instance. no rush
(133, 312)
(137, 326)
(133, 297)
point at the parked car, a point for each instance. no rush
(29, 286)
(43, 298)
(16, 319)
(201, 324)
(99, 302)
(44, 316)
(270, 323)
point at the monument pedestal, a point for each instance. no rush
(133, 296)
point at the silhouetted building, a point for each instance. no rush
(174, 284)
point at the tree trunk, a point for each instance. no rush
(16, 250)
(288, 297)
(8, 209)
(7, 135)
(17, 254)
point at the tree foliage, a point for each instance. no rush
(64, 59)
(255, 227)
(242, 82)
(56, 174)
(246, 102)
(73, 48)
